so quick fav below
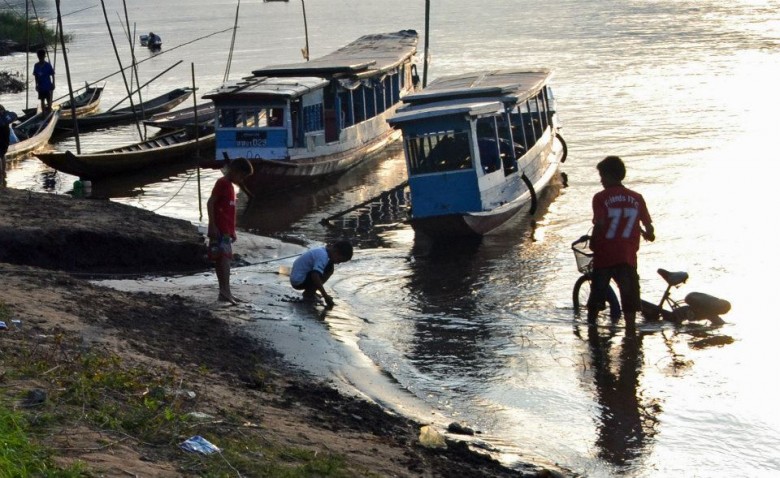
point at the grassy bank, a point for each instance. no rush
(95, 400)
(15, 28)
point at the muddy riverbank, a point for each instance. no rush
(47, 242)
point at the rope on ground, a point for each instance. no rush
(175, 194)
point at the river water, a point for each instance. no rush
(484, 334)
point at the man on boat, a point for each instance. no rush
(617, 215)
(6, 118)
(44, 80)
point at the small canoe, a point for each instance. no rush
(33, 134)
(182, 118)
(165, 102)
(86, 103)
(162, 150)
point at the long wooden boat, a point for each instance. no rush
(33, 134)
(86, 103)
(479, 147)
(164, 102)
(184, 117)
(307, 121)
(166, 149)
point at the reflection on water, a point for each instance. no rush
(627, 421)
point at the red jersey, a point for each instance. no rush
(619, 210)
(225, 206)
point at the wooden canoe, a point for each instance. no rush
(86, 103)
(33, 134)
(166, 149)
(165, 102)
(177, 119)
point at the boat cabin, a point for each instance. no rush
(468, 140)
(322, 106)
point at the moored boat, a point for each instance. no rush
(479, 147)
(170, 148)
(33, 134)
(184, 117)
(307, 121)
(164, 102)
(86, 102)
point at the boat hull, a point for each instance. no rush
(126, 115)
(86, 104)
(113, 163)
(272, 176)
(38, 140)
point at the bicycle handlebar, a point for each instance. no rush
(582, 239)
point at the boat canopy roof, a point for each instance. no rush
(457, 107)
(265, 87)
(504, 85)
(369, 55)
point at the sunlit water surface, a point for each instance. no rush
(684, 91)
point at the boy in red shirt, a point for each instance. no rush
(618, 213)
(221, 208)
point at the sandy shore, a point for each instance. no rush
(50, 245)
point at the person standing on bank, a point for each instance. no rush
(221, 208)
(44, 80)
(314, 267)
(619, 216)
(6, 119)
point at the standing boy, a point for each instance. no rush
(617, 215)
(221, 208)
(313, 268)
(44, 80)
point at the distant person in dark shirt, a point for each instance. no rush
(44, 80)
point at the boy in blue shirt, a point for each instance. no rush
(44, 80)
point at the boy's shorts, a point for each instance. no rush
(221, 248)
(627, 280)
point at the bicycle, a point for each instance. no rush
(695, 305)
(584, 259)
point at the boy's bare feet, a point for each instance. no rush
(227, 298)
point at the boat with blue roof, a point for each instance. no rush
(479, 148)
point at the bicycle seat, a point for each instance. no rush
(673, 278)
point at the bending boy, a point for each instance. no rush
(313, 268)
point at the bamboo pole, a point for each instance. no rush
(131, 41)
(67, 74)
(145, 84)
(197, 145)
(305, 29)
(232, 44)
(119, 60)
(427, 36)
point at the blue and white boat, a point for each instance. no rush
(479, 147)
(312, 120)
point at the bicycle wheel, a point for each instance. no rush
(581, 292)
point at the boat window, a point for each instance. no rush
(227, 117)
(487, 140)
(359, 96)
(275, 116)
(312, 118)
(438, 152)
